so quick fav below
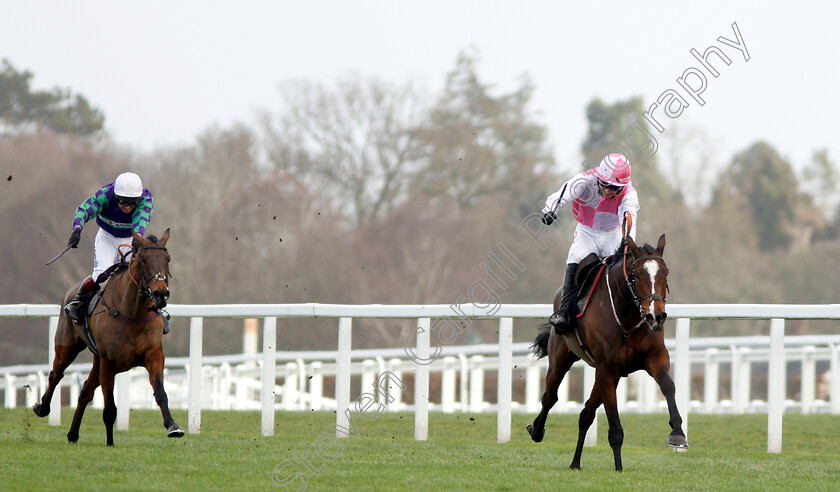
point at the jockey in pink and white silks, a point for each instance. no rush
(602, 198)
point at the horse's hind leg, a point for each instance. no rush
(587, 416)
(658, 369)
(561, 361)
(85, 397)
(64, 356)
(154, 364)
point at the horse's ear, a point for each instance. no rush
(164, 238)
(660, 246)
(137, 241)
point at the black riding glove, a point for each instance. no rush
(74, 238)
(548, 218)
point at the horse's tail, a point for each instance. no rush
(540, 345)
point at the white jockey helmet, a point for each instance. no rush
(128, 185)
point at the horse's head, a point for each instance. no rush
(153, 263)
(648, 279)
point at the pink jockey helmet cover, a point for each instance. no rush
(614, 169)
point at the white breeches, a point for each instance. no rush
(588, 240)
(106, 251)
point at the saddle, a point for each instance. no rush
(587, 275)
(84, 328)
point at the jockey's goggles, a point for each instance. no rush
(608, 186)
(132, 201)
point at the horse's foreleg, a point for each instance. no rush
(85, 397)
(587, 416)
(608, 383)
(666, 385)
(64, 356)
(109, 414)
(557, 370)
(154, 365)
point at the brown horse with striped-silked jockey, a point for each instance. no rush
(620, 332)
(126, 328)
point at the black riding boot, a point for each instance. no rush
(561, 319)
(77, 307)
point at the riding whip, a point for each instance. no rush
(58, 255)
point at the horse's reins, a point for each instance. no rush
(146, 291)
(142, 291)
(637, 301)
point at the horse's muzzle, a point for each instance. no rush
(656, 322)
(159, 298)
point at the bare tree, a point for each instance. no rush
(480, 145)
(353, 143)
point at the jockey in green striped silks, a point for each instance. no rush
(120, 208)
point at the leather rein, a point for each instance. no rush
(630, 281)
(143, 292)
(147, 291)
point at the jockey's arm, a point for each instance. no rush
(142, 215)
(571, 190)
(90, 208)
(628, 211)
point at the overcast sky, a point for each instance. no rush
(163, 71)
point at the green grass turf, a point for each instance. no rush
(727, 453)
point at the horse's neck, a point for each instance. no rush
(622, 296)
(125, 292)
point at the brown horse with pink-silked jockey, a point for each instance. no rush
(620, 332)
(126, 327)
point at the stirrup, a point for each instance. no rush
(74, 313)
(561, 329)
(556, 320)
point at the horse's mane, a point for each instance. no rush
(619, 252)
(135, 245)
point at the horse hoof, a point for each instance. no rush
(174, 430)
(678, 443)
(535, 435)
(72, 438)
(38, 408)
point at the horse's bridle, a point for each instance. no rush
(631, 283)
(630, 280)
(147, 291)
